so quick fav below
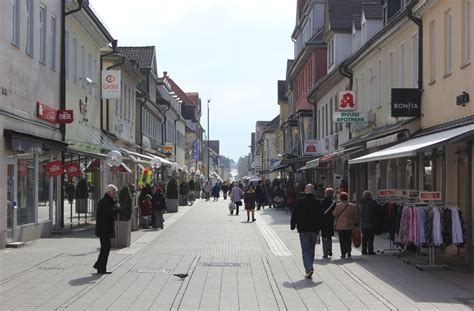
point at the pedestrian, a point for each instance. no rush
(346, 220)
(319, 193)
(207, 190)
(368, 222)
(216, 190)
(249, 200)
(327, 231)
(260, 195)
(159, 208)
(107, 210)
(307, 218)
(146, 207)
(225, 190)
(236, 196)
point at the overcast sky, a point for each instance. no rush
(231, 51)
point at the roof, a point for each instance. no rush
(194, 97)
(340, 14)
(372, 10)
(179, 92)
(143, 55)
(273, 125)
(289, 64)
(356, 19)
(282, 91)
(97, 21)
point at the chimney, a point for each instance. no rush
(165, 73)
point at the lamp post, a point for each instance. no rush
(208, 140)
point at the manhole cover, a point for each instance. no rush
(224, 265)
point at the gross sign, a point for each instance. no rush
(54, 168)
(347, 101)
(111, 84)
(351, 117)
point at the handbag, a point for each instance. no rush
(231, 206)
(356, 237)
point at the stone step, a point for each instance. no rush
(15, 244)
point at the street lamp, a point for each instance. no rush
(208, 140)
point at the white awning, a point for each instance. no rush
(410, 147)
(382, 141)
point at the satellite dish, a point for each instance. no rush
(114, 158)
(155, 163)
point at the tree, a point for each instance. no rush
(125, 200)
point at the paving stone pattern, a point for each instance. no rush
(232, 265)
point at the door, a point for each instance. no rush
(11, 200)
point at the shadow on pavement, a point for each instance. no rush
(85, 280)
(278, 216)
(302, 284)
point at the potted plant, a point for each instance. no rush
(172, 196)
(198, 190)
(123, 226)
(82, 195)
(183, 193)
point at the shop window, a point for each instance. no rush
(26, 188)
(427, 173)
(43, 189)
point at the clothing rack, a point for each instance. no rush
(396, 251)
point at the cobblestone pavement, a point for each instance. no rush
(232, 265)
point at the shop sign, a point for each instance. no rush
(351, 117)
(64, 116)
(168, 149)
(196, 150)
(383, 193)
(72, 169)
(406, 103)
(311, 147)
(257, 162)
(46, 112)
(54, 168)
(347, 101)
(111, 84)
(430, 196)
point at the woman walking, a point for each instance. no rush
(249, 200)
(346, 221)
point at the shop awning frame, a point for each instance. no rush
(411, 147)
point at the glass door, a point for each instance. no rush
(11, 201)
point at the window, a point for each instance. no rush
(432, 36)
(331, 129)
(331, 53)
(402, 65)
(42, 34)
(121, 98)
(357, 90)
(466, 33)
(327, 120)
(74, 51)
(53, 42)
(363, 33)
(447, 42)
(96, 80)
(372, 79)
(83, 66)
(15, 22)
(380, 82)
(390, 70)
(89, 71)
(362, 92)
(415, 56)
(66, 53)
(29, 27)
(333, 110)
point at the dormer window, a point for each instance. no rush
(331, 53)
(363, 28)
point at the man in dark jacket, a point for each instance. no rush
(327, 232)
(158, 204)
(368, 217)
(307, 217)
(107, 210)
(260, 195)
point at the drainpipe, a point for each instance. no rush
(343, 70)
(419, 23)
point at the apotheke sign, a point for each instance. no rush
(111, 84)
(351, 117)
(406, 103)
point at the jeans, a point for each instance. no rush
(345, 240)
(308, 243)
(101, 263)
(158, 216)
(367, 241)
(327, 246)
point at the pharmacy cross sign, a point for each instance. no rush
(346, 101)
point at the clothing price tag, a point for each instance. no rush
(383, 193)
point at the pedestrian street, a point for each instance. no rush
(231, 264)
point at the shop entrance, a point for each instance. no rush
(11, 170)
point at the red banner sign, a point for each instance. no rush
(73, 169)
(64, 116)
(430, 196)
(45, 112)
(383, 193)
(54, 168)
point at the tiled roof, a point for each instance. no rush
(142, 55)
(194, 98)
(372, 10)
(340, 13)
(179, 92)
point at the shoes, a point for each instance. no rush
(349, 255)
(343, 256)
(325, 256)
(364, 252)
(253, 220)
(309, 275)
(104, 272)
(95, 266)
(330, 254)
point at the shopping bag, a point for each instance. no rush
(356, 237)
(231, 206)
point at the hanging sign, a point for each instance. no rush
(347, 101)
(311, 147)
(406, 103)
(430, 196)
(64, 116)
(46, 112)
(111, 84)
(54, 168)
(351, 117)
(73, 169)
(195, 150)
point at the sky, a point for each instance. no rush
(230, 51)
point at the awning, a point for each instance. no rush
(19, 141)
(296, 160)
(84, 137)
(410, 147)
(312, 164)
(163, 160)
(302, 168)
(315, 163)
(382, 141)
(278, 166)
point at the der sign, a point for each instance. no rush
(406, 103)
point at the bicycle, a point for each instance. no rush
(190, 198)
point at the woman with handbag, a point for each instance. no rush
(249, 200)
(345, 214)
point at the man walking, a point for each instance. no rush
(368, 215)
(107, 210)
(307, 217)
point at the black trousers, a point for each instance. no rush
(345, 241)
(368, 241)
(101, 263)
